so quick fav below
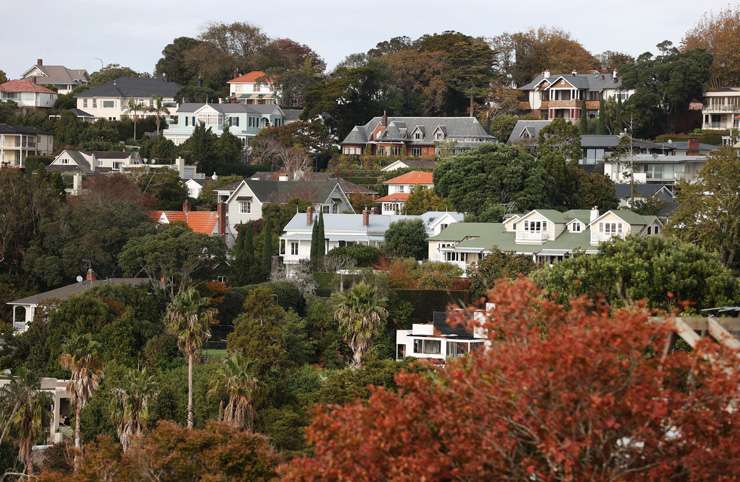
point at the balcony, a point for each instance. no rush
(726, 108)
(563, 104)
(524, 105)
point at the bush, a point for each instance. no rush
(363, 256)
(288, 296)
(406, 239)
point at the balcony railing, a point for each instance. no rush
(564, 104)
(722, 108)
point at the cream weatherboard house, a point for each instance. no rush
(253, 88)
(89, 162)
(111, 100)
(19, 142)
(546, 235)
(400, 189)
(26, 93)
(57, 77)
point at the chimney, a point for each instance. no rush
(693, 147)
(93, 162)
(385, 119)
(594, 214)
(186, 206)
(76, 184)
(221, 218)
(309, 215)
(90, 276)
(180, 164)
(574, 72)
(39, 62)
(546, 74)
(365, 217)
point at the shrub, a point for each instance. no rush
(363, 256)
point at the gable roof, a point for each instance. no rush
(133, 87)
(59, 75)
(10, 129)
(203, 222)
(73, 289)
(24, 85)
(401, 129)
(347, 186)
(629, 217)
(624, 191)
(313, 191)
(413, 177)
(423, 164)
(235, 108)
(251, 77)
(532, 126)
(595, 82)
(395, 197)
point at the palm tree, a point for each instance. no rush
(134, 107)
(80, 357)
(29, 411)
(130, 404)
(360, 312)
(235, 380)
(188, 319)
(159, 110)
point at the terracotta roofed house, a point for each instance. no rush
(400, 188)
(202, 222)
(253, 88)
(27, 93)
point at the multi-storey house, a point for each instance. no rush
(19, 142)
(400, 188)
(26, 93)
(57, 77)
(253, 88)
(114, 100)
(721, 109)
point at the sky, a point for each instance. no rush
(84, 33)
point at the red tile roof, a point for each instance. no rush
(24, 85)
(250, 77)
(395, 197)
(413, 177)
(203, 222)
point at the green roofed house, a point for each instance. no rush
(546, 235)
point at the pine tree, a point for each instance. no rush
(601, 121)
(320, 244)
(243, 252)
(314, 246)
(266, 262)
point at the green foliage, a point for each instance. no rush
(363, 256)
(284, 293)
(165, 186)
(110, 73)
(347, 385)
(160, 149)
(502, 125)
(665, 272)
(406, 239)
(424, 200)
(243, 264)
(267, 250)
(495, 266)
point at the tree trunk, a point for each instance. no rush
(29, 461)
(190, 391)
(78, 441)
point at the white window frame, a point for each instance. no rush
(245, 204)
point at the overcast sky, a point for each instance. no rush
(133, 32)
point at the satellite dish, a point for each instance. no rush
(79, 279)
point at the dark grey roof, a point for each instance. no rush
(60, 75)
(284, 191)
(9, 129)
(420, 163)
(596, 140)
(593, 82)
(76, 288)
(532, 126)
(133, 87)
(235, 108)
(623, 191)
(110, 154)
(402, 129)
(684, 146)
(347, 186)
(80, 113)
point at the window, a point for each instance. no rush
(610, 228)
(245, 207)
(416, 151)
(234, 121)
(400, 351)
(186, 120)
(84, 102)
(95, 102)
(294, 248)
(396, 150)
(418, 135)
(575, 227)
(428, 347)
(282, 246)
(109, 104)
(656, 229)
(456, 348)
(535, 226)
(649, 230)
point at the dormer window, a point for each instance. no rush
(439, 135)
(418, 135)
(575, 227)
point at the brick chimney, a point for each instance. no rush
(385, 119)
(365, 217)
(221, 218)
(90, 276)
(309, 215)
(39, 62)
(693, 147)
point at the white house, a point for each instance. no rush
(242, 120)
(545, 235)
(111, 100)
(28, 94)
(253, 88)
(57, 77)
(19, 142)
(668, 168)
(721, 109)
(350, 229)
(89, 162)
(400, 188)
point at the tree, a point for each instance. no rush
(565, 393)
(424, 200)
(111, 72)
(718, 34)
(361, 314)
(320, 243)
(492, 174)
(159, 110)
(495, 266)
(243, 265)
(266, 259)
(3, 77)
(200, 147)
(707, 210)
(406, 239)
(666, 272)
(158, 149)
(228, 156)
(134, 108)
(80, 357)
(189, 319)
(235, 380)
(131, 395)
(173, 65)
(29, 410)
(502, 125)
(164, 185)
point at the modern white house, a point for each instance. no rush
(400, 188)
(545, 235)
(112, 100)
(94, 161)
(440, 340)
(721, 109)
(19, 142)
(341, 230)
(253, 88)
(242, 120)
(26, 309)
(57, 77)
(59, 426)
(26, 93)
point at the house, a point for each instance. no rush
(349, 188)
(111, 100)
(400, 188)
(24, 309)
(428, 137)
(184, 171)
(242, 120)
(19, 142)
(721, 109)
(57, 427)
(659, 193)
(57, 77)
(545, 235)
(527, 132)
(416, 164)
(27, 94)
(549, 96)
(253, 88)
(243, 201)
(348, 229)
(202, 222)
(440, 340)
(80, 114)
(94, 161)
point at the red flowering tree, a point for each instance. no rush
(577, 393)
